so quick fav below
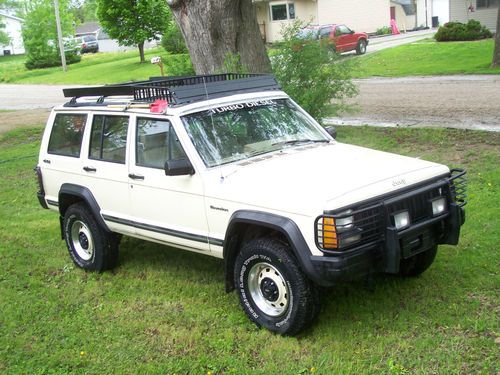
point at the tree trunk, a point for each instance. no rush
(496, 53)
(141, 51)
(215, 30)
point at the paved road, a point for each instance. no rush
(30, 96)
(468, 102)
(377, 44)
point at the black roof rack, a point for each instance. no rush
(179, 90)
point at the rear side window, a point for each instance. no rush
(108, 140)
(156, 143)
(67, 134)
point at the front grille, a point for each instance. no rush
(369, 221)
(417, 205)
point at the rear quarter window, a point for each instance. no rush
(66, 135)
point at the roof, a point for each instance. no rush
(2, 14)
(176, 90)
(87, 28)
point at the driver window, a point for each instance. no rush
(324, 32)
(156, 142)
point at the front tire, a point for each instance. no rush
(417, 264)
(361, 47)
(273, 291)
(90, 246)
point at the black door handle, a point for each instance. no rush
(136, 176)
(89, 169)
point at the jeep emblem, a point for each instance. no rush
(399, 182)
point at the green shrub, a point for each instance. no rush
(383, 30)
(178, 65)
(35, 61)
(457, 31)
(172, 39)
(311, 73)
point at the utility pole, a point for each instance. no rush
(59, 35)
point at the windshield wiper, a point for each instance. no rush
(305, 140)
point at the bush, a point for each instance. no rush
(383, 30)
(457, 31)
(178, 65)
(34, 61)
(311, 73)
(172, 39)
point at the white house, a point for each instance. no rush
(484, 11)
(360, 15)
(13, 29)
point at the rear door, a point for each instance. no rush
(106, 170)
(169, 209)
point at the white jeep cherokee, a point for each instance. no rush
(229, 166)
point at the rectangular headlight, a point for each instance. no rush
(401, 219)
(438, 206)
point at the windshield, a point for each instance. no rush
(238, 131)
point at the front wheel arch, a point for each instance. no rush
(245, 225)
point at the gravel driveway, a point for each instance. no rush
(469, 102)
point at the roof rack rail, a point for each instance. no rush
(179, 90)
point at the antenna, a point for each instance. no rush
(213, 125)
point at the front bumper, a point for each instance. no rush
(384, 252)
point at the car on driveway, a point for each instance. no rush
(88, 43)
(339, 37)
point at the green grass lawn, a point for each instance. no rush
(97, 68)
(164, 311)
(428, 57)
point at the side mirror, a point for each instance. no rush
(179, 167)
(352, 31)
(332, 131)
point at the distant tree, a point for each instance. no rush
(496, 53)
(40, 32)
(89, 10)
(133, 22)
(4, 37)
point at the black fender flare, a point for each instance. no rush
(281, 224)
(83, 194)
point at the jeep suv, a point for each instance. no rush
(229, 166)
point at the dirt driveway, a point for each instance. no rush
(471, 102)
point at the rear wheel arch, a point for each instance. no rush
(70, 194)
(246, 225)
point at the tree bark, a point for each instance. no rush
(496, 53)
(217, 29)
(141, 51)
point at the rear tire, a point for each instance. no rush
(90, 246)
(417, 264)
(361, 47)
(273, 291)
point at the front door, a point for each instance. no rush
(169, 209)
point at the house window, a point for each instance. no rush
(283, 12)
(487, 3)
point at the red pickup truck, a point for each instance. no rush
(340, 37)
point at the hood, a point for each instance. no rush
(309, 179)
